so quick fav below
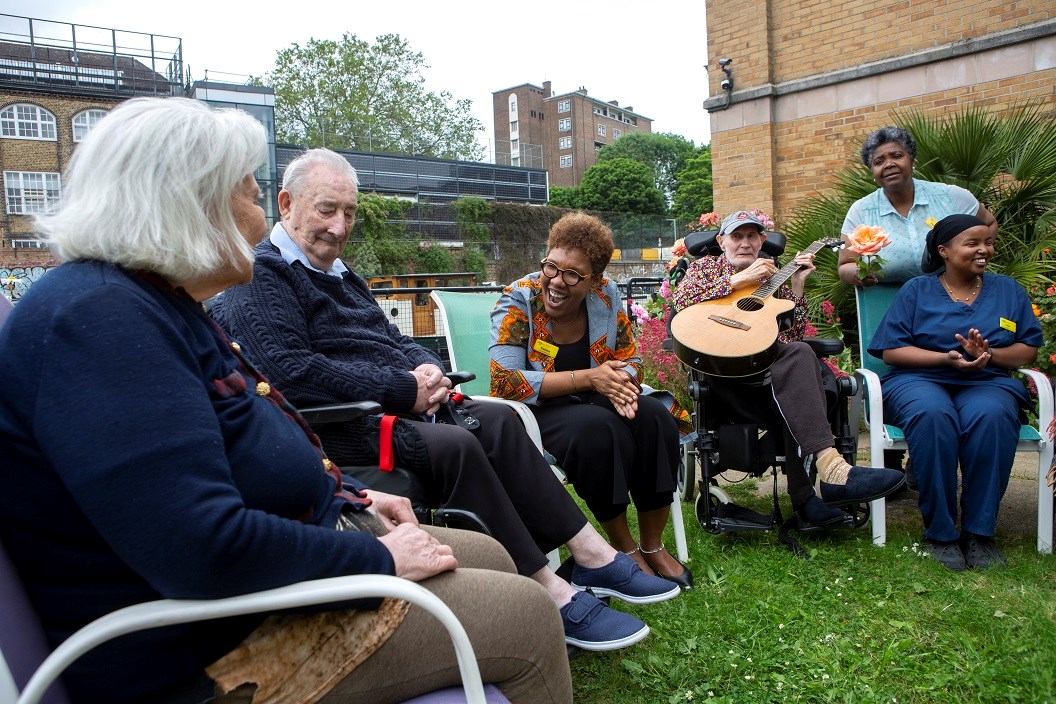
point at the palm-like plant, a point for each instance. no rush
(1008, 161)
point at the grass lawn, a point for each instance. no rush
(854, 623)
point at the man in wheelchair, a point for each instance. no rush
(796, 387)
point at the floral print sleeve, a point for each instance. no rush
(626, 346)
(511, 375)
(706, 279)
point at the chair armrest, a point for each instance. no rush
(1045, 400)
(870, 383)
(460, 377)
(339, 412)
(167, 612)
(531, 425)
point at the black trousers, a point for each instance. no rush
(498, 473)
(607, 456)
(795, 403)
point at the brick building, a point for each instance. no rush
(812, 79)
(565, 131)
(56, 81)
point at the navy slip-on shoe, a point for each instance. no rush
(819, 513)
(624, 579)
(863, 484)
(591, 625)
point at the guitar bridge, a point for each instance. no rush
(729, 322)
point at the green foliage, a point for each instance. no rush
(1008, 161)
(664, 154)
(520, 233)
(623, 186)
(565, 197)
(379, 236)
(694, 194)
(474, 260)
(352, 94)
(432, 258)
(363, 259)
(1044, 298)
(472, 216)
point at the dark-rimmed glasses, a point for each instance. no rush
(571, 277)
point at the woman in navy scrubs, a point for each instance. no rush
(952, 337)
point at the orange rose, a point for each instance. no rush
(679, 249)
(867, 241)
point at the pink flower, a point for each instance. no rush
(810, 331)
(711, 219)
(867, 240)
(665, 289)
(640, 314)
(1050, 291)
(828, 309)
(679, 248)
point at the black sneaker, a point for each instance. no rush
(980, 552)
(948, 553)
(818, 512)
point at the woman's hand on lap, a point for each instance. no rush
(417, 554)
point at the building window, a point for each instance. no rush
(566, 161)
(564, 124)
(513, 106)
(24, 121)
(84, 121)
(615, 133)
(27, 244)
(566, 142)
(564, 105)
(601, 130)
(31, 192)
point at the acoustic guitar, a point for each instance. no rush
(736, 335)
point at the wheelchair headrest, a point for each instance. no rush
(703, 243)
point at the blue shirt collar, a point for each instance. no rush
(292, 253)
(920, 197)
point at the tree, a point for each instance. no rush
(472, 216)
(379, 239)
(665, 155)
(351, 94)
(694, 194)
(564, 197)
(623, 186)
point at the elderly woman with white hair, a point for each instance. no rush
(146, 458)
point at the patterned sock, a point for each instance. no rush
(832, 468)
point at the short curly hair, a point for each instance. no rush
(585, 233)
(898, 135)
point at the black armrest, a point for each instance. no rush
(824, 346)
(460, 377)
(340, 412)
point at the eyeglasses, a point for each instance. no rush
(571, 277)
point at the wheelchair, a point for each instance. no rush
(426, 501)
(739, 430)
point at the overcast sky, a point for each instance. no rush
(650, 55)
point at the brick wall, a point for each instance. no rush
(37, 155)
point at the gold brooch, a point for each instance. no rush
(236, 347)
(263, 388)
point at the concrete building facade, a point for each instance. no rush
(566, 129)
(812, 79)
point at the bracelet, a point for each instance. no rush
(573, 375)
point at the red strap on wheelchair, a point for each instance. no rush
(385, 454)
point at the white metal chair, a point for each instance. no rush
(28, 673)
(467, 330)
(872, 303)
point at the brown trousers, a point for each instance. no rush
(512, 622)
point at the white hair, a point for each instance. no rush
(296, 170)
(150, 188)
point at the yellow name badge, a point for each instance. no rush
(545, 348)
(1009, 325)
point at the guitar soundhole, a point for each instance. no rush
(750, 304)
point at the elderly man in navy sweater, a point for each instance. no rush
(317, 333)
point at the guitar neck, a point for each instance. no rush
(783, 274)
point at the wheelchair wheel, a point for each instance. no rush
(687, 473)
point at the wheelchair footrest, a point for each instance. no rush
(730, 518)
(796, 523)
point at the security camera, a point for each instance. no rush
(723, 63)
(726, 84)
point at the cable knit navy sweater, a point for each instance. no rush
(321, 339)
(138, 464)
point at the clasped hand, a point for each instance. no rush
(433, 388)
(417, 555)
(618, 386)
(974, 346)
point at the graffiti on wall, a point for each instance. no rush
(16, 280)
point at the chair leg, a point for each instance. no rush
(1045, 501)
(878, 518)
(679, 526)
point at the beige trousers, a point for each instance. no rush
(512, 622)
